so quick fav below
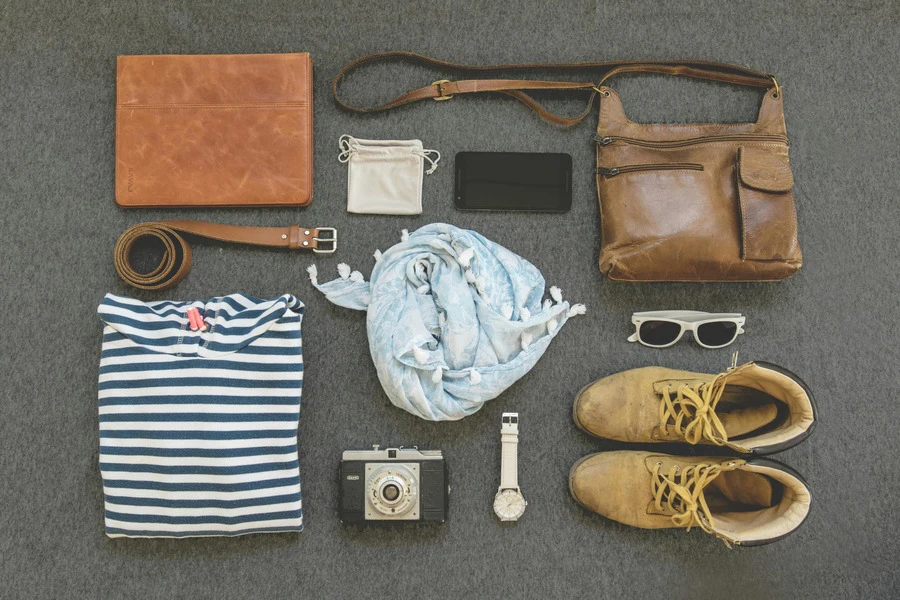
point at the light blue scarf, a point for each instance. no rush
(453, 319)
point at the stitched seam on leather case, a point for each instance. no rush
(727, 126)
(631, 123)
(310, 139)
(119, 201)
(301, 104)
(689, 125)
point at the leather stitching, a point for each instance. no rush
(301, 104)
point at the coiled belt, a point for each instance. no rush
(176, 259)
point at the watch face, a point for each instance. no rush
(509, 505)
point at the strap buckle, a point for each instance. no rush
(332, 240)
(440, 87)
(777, 87)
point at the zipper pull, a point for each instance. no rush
(602, 140)
(608, 172)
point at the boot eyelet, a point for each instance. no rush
(659, 463)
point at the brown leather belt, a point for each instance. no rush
(176, 259)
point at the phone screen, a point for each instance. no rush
(527, 181)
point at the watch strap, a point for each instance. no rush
(509, 453)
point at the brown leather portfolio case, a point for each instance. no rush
(214, 130)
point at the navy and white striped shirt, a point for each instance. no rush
(198, 430)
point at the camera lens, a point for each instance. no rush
(390, 492)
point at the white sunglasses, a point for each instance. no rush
(663, 328)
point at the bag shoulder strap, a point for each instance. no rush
(517, 88)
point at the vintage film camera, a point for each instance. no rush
(395, 485)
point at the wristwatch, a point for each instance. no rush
(509, 504)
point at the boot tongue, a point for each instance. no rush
(739, 487)
(741, 409)
(741, 421)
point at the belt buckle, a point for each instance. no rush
(440, 88)
(332, 240)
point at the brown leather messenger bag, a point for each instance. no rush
(683, 202)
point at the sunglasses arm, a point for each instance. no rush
(633, 337)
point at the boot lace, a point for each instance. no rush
(681, 490)
(692, 411)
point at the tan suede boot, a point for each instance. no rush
(743, 502)
(756, 408)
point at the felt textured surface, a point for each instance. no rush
(834, 323)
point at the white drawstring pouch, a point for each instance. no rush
(384, 177)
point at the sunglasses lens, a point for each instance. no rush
(715, 334)
(659, 333)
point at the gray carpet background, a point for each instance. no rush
(835, 323)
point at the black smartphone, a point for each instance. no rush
(521, 181)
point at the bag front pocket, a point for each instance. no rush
(768, 215)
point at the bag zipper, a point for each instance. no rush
(613, 171)
(730, 137)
